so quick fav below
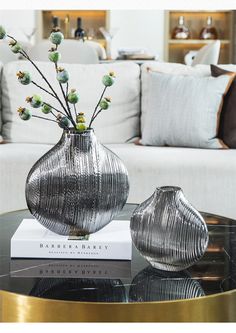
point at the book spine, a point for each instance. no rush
(71, 250)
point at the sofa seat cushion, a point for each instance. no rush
(117, 125)
(15, 162)
(207, 177)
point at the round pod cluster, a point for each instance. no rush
(24, 77)
(46, 108)
(35, 101)
(15, 46)
(62, 75)
(63, 121)
(80, 123)
(108, 80)
(3, 33)
(54, 55)
(56, 36)
(24, 113)
(73, 97)
(105, 103)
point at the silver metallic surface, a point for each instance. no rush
(77, 187)
(168, 231)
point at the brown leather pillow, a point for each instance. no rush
(227, 126)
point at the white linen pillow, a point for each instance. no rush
(184, 110)
(168, 68)
(118, 124)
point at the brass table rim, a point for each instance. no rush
(16, 295)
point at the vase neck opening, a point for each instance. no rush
(166, 189)
(73, 131)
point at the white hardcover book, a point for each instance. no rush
(33, 240)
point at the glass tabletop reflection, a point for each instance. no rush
(117, 280)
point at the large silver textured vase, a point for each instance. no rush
(168, 231)
(77, 187)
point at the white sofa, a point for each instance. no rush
(207, 177)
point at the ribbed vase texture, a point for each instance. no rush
(168, 231)
(153, 285)
(77, 187)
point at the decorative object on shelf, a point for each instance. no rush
(168, 231)
(87, 290)
(79, 185)
(67, 26)
(79, 32)
(188, 58)
(154, 285)
(209, 31)
(55, 22)
(108, 35)
(181, 31)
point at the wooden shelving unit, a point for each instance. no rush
(92, 20)
(175, 50)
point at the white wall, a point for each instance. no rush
(139, 28)
(18, 23)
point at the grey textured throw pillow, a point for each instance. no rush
(184, 111)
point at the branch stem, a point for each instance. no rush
(96, 107)
(45, 79)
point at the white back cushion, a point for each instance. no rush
(72, 51)
(118, 124)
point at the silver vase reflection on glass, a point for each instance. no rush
(77, 187)
(168, 231)
(152, 284)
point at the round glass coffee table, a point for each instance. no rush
(46, 290)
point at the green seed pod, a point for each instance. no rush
(104, 105)
(107, 80)
(73, 97)
(24, 113)
(62, 76)
(24, 77)
(36, 101)
(54, 56)
(46, 108)
(15, 47)
(3, 33)
(63, 122)
(81, 127)
(56, 37)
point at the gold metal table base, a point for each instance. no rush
(214, 308)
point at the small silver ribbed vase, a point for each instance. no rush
(77, 187)
(168, 231)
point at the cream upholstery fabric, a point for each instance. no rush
(183, 111)
(72, 51)
(206, 176)
(118, 124)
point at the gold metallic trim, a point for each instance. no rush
(213, 308)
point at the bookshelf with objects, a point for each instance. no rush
(67, 20)
(196, 29)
